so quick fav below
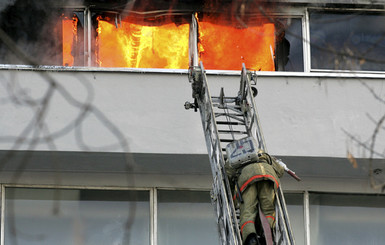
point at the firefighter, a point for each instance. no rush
(257, 183)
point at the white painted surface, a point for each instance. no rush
(300, 116)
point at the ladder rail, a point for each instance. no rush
(283, 223)
(283, 227)
(253, 123)
(221, 194)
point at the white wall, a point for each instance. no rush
(300, 115)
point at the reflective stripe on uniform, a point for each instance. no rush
(247, 222)
(270, 217)
(257, 177)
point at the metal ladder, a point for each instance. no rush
(225, 119)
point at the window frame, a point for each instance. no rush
(307, 202)
(153, 205)
(307, 41)
(88, 58)
(152, 192)
(9, 186)
(293, 11)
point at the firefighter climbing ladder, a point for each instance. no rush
(225, 119)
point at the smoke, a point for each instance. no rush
(5, 3)
(34, 27)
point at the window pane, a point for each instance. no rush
(89, 217)
(73, 39)
(186, 217)
(347, 41)
(47, 34)
(289, 46)
(225, 46)
(130, 42)
(294, 205)
(347, 219)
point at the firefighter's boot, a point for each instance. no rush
(251, 239)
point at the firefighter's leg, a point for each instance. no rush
(266, 195)
(248, 211)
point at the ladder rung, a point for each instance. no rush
(227, 106)
(225, 99)
(226, 140)
(231, 132)
(218, 114)
(229, 123)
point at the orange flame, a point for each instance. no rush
(226, 47)
(137, 46)
(69, 33)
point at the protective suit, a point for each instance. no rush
(257, 182)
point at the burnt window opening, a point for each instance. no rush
(73, 38)
(153, 42)
(225, 46)
(65, 37)
(30, 26)
(47, 35)
(263, 44)
(130, 41)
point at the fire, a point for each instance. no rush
(69, 32)
(138, 46)
(226, 47)
(128, 44)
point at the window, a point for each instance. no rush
(353, 41)
(54, 35)
(294, 205)
(186, 217)
(289, 45)
(89, 217)
(262, 44)
(346, 219)
(72, 40)
(110, 35)
(43, 33)
(225, 46)
(133, 42)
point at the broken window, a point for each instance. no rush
(225, 46)
(347, 40)
(129, 42)
(72, 30)
(150, 35)
(289, 45)
(45, 34)
(263, 44)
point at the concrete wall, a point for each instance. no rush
(90, 117)
(98, 110)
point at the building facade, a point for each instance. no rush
(97, 147)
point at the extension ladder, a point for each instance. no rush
(225, 119)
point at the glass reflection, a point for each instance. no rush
(86, 217)
(347, 219)
(186, 217)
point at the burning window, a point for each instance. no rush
(221, 47)
(72, 34)
(129, 44)
(148, 37)
(226, 47)
(33, 28)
